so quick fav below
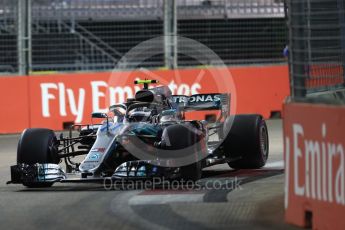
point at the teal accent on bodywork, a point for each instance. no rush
(169, 112)
(145, 129)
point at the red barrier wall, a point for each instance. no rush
(261, 90)
(14, 104)
(58, 98)
(315, 165)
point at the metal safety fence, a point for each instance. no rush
(89, 35)
(8, 37)
(317, 46)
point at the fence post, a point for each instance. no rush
(297, 48)
(170, 32)
(24, 36)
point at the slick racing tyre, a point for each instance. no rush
(179, 137)
(192, 172)
(247, 141)
(37, 146)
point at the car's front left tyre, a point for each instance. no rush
(37, 146)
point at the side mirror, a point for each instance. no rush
(169, 112)
(101, 115)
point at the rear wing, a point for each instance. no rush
(200, 102)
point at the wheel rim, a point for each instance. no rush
(264, 141)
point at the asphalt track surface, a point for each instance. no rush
(225, 199)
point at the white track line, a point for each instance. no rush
(165, 199)
(275, 164)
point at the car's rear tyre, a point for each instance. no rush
(181, 137)
(247, 140)
(37, 146)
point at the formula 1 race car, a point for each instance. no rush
(147, 136)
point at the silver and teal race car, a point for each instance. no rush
(145, 137)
